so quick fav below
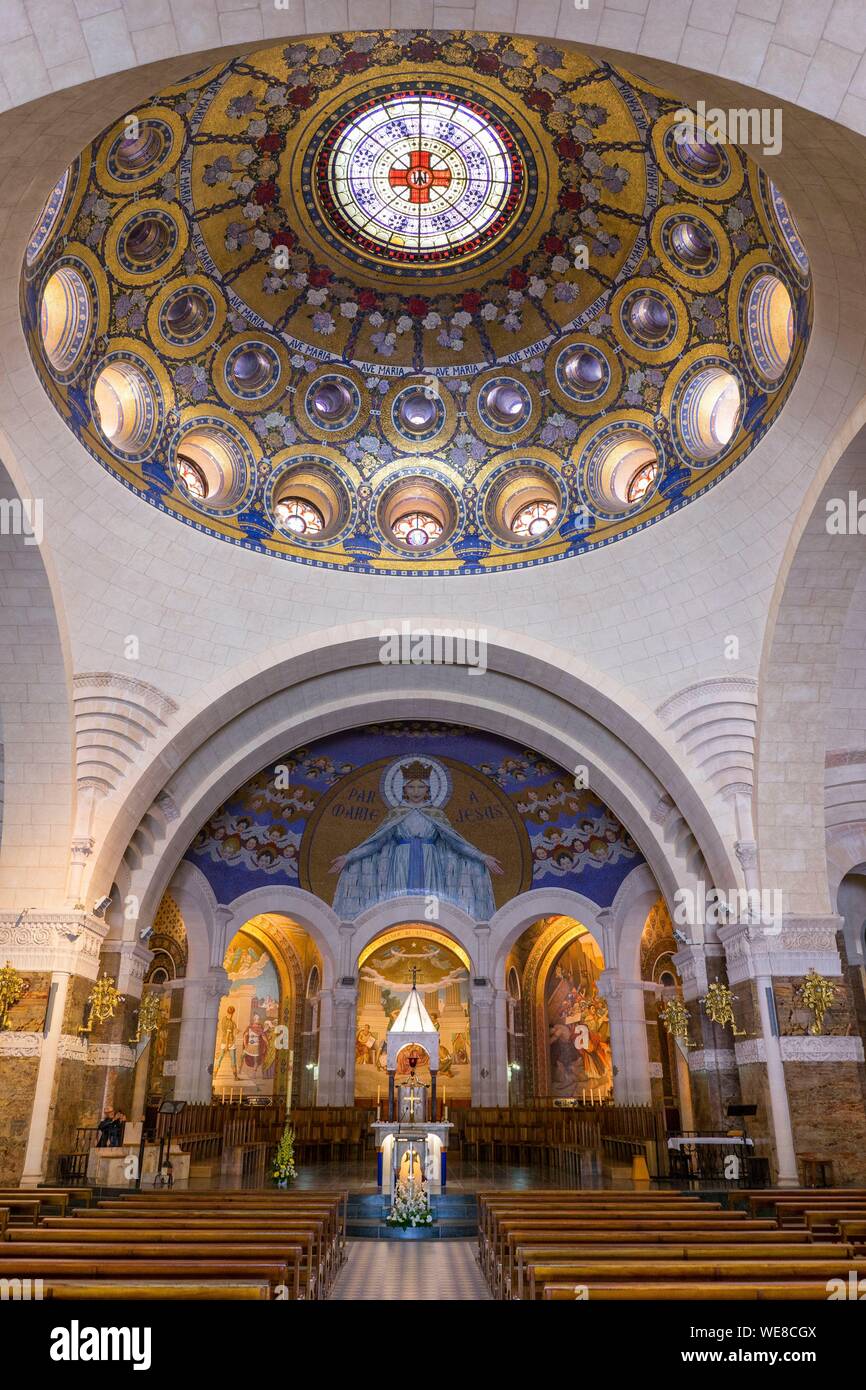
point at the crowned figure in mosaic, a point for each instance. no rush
(415, 850)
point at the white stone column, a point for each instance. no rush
(198, 1030)
(34, 1158)
(329, 1056)
(482, 1000)
(755, 953)
(345, 1012)
(628, 1039)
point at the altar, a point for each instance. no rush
(411, 1144)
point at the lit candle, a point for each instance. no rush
(378, 1095)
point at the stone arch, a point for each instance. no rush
(37, 790)
(811, 601)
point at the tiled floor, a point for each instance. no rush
(393, 1270)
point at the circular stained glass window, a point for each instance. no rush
(420, 177)
(535, 519)
(417, 529)
(299, 517)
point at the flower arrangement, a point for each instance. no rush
(284, 1159)
(411, 1206)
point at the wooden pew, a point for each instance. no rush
(276, 1274)
(493, 1254)
(49, 1198)
(525, 1255)
(106, 1240)
(23, 1211)
(327, 1214)
(216, 1255)
(688, 1273)
(801, 1291)
(247, 1202)
(140, 1290)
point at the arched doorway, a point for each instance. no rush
(387, 968)
(566, 1045)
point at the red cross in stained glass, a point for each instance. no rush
(419, 178)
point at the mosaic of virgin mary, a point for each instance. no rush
(415, 850)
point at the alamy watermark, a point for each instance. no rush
(408, 646)
(739, 125)
(717, 907)
(846, 516)
(22, 516)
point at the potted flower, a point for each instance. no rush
(410, 1209)
(284, 1170)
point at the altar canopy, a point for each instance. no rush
(413, 1024)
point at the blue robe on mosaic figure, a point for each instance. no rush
(415, 850)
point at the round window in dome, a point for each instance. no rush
(419, 176)
(534, 519)
(709, 411)
(417, 514)
(621, 468)
(48, 219)
(186, 315)
(126, 406)
(770, 326)
(65, 318)
(299, 517)
(211, 465)
(193, 477)
(417, 529)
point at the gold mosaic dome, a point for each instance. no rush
(410, 303)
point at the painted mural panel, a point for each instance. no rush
(417, 808)
(385, 979)
(245, 1055)
(577, 1023)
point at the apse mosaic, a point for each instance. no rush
(424, 809)
(384, 981)
(249, 1014)
(406, 302)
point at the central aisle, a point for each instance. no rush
(409, 1269)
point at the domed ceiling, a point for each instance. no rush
(410, 302)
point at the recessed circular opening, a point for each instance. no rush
(251, 370)
(134, 153)
(622, 469)
(332, 402)
(691, 244)
(417, 529)
(147, 242)
(210, 465)
(193, 477)
(534, 519)
(65, 315)
(47, 220)
(524, 505)
(770, 319)
(185, 315)
(641, 481)
(507, 403)
(583, 369)
(789, 230)
(417, 514)
(417, 411)
(298, 516)
(650, 317)
(125, 406)
(699, 157)
(310, 502)
(710, 411)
